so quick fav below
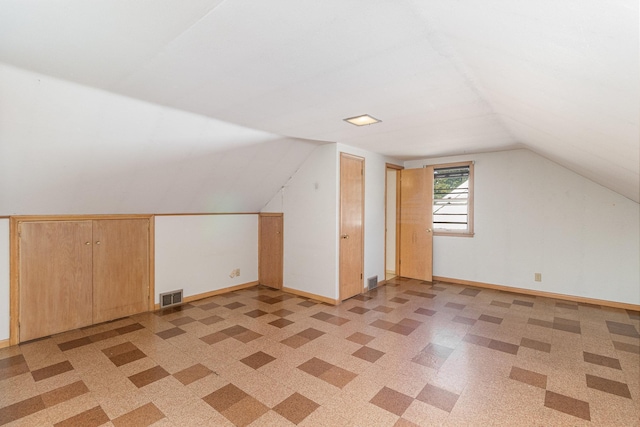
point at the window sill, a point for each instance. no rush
(453, 233)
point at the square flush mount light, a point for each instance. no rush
(362, 120)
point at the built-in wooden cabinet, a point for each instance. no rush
(74, 273)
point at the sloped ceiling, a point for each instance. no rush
(69, 149)
(446, 77)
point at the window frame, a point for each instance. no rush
(469, 232)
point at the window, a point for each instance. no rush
(453, 199)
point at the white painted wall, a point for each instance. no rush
(309, 203)
(391, 220)
(532, 215)
(198, 253)
(4, 279)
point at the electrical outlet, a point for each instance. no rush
(537, 277)
(237, 272)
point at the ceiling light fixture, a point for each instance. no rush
(362, 120)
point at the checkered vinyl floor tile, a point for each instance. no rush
(408, 353)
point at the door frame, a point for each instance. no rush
(260, 216)
(397, 169)
(14, 260)
(362, 217)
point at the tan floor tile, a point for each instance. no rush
(368, 354)
(225, 397)
(21, 409)
(315, 367)
(404, 423)
(192, 373)
(93, 417)
(337, 376)
(271, 419)
(64, 393)
(52, 370)
(141, 417)
(136, 366)
(39, 419)
(440, 398)
(372, 415)
(608, 386)
(392, 401)
(422, 414)
(245, 411)
(598, 359)
(567, 404)
(16, 389)
(528, 377)
(128, 357)
(295, 341)
(360, 338)
(12, 366)
(535, 345)
(296, 408)
(148, 376)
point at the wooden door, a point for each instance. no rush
(416, 235)
(351, 225)
(55, 277)
(270, 250)
(120, 268)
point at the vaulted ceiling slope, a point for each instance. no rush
(69, 149)
(445, 77)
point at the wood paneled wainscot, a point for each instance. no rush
(76, 271)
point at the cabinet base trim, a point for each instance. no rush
(4, 343)
(606, 303)
(213, 293)
(312, 296)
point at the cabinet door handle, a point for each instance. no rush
(98, 242)
(87, 243)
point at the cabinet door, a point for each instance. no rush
(55, 277)
(120, 268)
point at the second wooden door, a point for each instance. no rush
(120, 268)
(416, 234)
(270, 265)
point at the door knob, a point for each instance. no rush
(98, 242)
(428, 230)
(345, 236)
(87, 243)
